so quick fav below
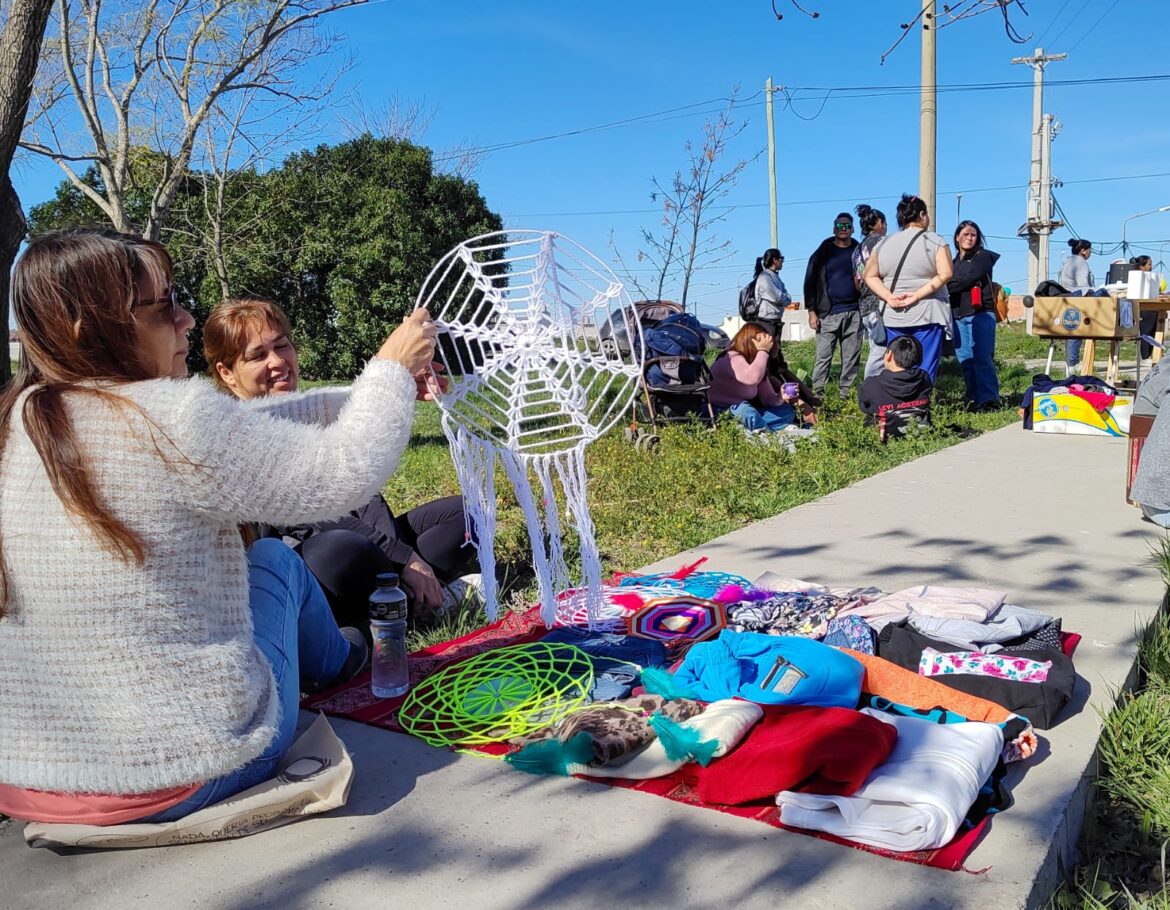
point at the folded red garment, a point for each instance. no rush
(1099, 401)
(798, 747)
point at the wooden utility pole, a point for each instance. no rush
(1039, 224)
(928, 117)
(772, 161)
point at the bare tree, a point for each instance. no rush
(235, 148)
(411, 120)
(154, 73)
(692, 208)
(20, 49)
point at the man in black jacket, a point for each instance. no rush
(831, 296)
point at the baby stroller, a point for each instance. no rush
(675, 377)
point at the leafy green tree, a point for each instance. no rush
(345, 235)
(341, 237)
(74, 207)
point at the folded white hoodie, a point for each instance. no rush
(918, 798)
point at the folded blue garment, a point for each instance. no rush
(608, 649)
(771, 670)
(617, 660)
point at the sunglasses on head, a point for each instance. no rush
(843, 226)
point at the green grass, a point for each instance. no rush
(1124, 843)
(1013, 343)
(700, 483)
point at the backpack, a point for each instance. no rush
(749, 307)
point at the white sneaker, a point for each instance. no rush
(792, 430)
(467, 590)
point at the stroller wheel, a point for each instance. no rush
(647, 442)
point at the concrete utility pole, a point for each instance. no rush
(1045, 224)
(1038, 225)
(928, 112)
(772, 161)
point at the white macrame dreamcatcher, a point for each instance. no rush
(521, 316)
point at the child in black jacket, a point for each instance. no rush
(899, 396)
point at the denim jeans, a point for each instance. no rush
(293, 628)
(771, 419)
(975, 349)
(1072, 356)
(930, 337)
(1157, 516)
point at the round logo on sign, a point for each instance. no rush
(1047, 407)
(1070, 319)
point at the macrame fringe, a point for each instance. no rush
(475, 467)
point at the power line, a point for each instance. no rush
(628, 121)
(1093, 27)
(838, 200)
(837, 92)
(1054, 20)
(1071, 20)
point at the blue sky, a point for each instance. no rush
(494, 73)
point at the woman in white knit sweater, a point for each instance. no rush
(148, 665)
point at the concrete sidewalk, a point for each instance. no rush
(1041, 517)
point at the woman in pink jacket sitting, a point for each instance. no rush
(740, 384)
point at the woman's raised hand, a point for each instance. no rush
(412, 344)
(764, 342)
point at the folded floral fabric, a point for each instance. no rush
(976, 663)
(1040, 702)
(917, 799)
(851, 632)
(821, 750)
(786, 614)
(615, 730)
(905, 687)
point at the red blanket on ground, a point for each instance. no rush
(355, 702)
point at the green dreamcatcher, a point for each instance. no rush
(499, 694)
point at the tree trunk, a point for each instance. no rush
(12, 228)
(20, 48)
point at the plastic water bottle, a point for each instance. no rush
(389, 671)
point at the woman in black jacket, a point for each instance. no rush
(973, 305)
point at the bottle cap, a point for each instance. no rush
(394, 605)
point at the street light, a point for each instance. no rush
(1124, 245)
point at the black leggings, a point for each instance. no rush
(346, 562)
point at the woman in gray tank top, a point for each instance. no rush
(909, 272)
